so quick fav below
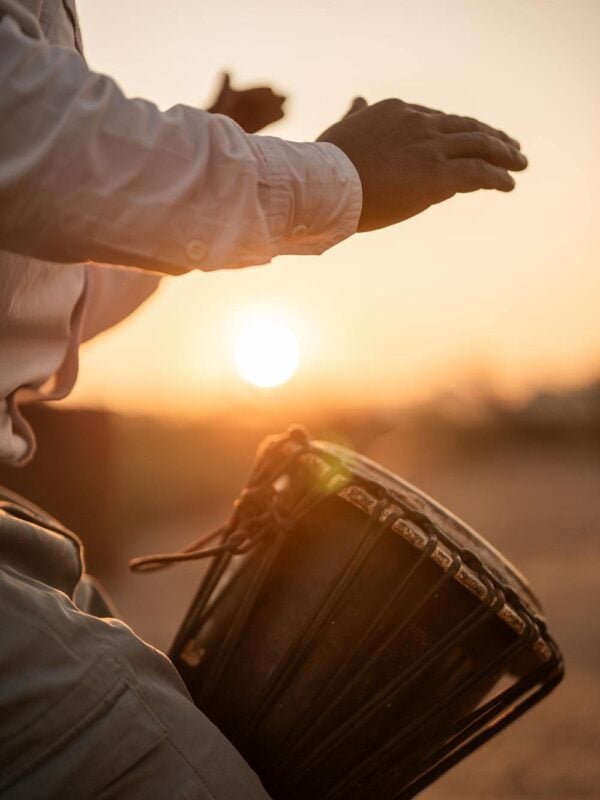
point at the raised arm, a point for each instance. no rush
(87, 174)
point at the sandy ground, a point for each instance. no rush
(540, 505)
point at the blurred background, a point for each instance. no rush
(460, 349)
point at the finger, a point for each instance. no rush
(263, 94)
(423, 109)
(471, 174)
(225, 86)
(475, 144)
(279, 99)
(452, 123)
(226, 82)
(357, 105)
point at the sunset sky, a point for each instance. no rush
(506, 286)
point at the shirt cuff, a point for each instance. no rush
(315, 195)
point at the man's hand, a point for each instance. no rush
(253, 109)
(410, 157)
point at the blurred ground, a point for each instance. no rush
(534, 492)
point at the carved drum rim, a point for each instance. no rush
(351, 491)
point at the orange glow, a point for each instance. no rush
(504, 286)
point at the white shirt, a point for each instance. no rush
(92, 182)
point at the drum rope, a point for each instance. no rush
(298, 649)
(252, 519)
(343, 675)
(498, 713)
(245, 606)
(470, 559)
(385, 696)
(535, 628)
(427, 723)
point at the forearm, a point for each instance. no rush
(87, 174)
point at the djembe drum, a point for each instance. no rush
(351, 637)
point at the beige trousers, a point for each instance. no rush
(87, 709)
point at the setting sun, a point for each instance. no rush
(266, 351)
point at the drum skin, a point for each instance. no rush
(339, 657)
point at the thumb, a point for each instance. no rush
(225, 84)
(357, 105)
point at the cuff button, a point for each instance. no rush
(299, 230)
(196, 250)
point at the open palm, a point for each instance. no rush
(253, 109)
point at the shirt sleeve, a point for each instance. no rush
(89, 175)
